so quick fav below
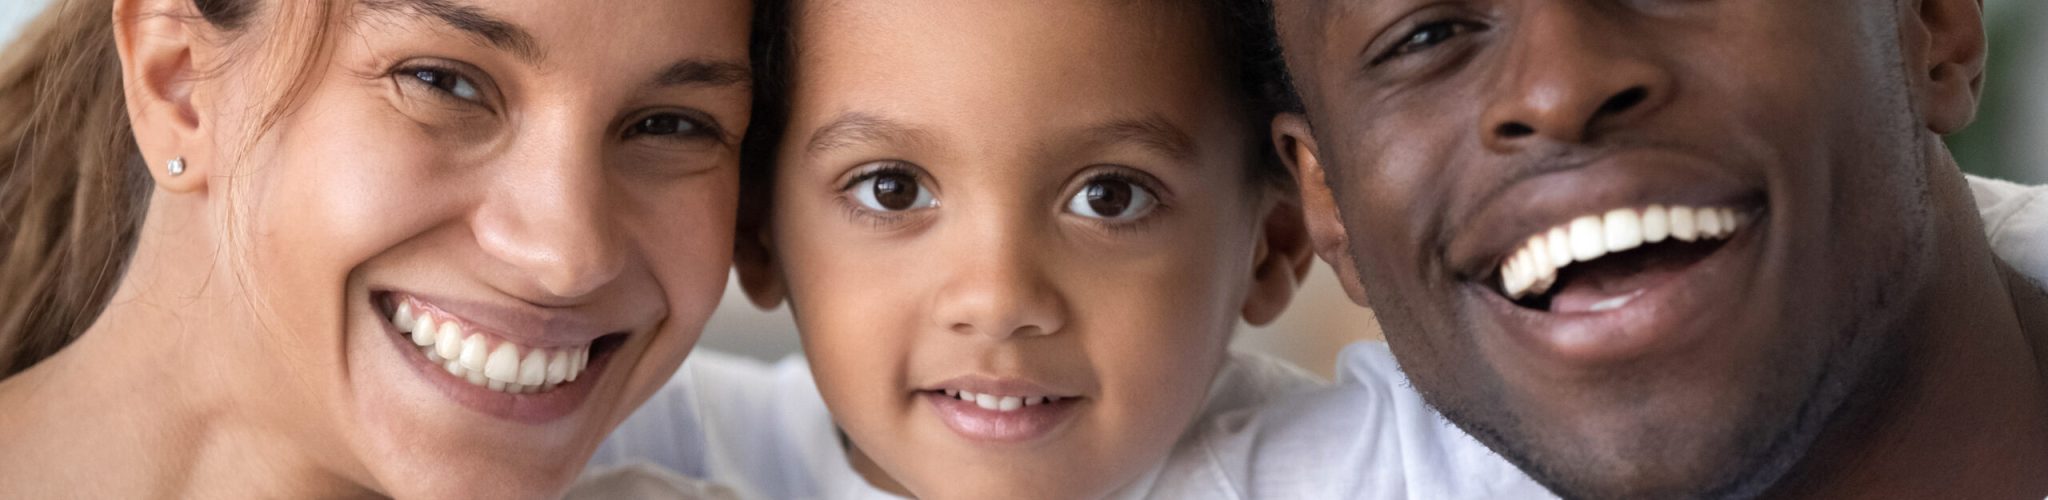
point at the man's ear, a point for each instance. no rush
(161, 49)
(753, 255)
(1295, 141)
(1281, 261)
(1944, 44)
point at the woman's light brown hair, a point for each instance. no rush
(73, 189)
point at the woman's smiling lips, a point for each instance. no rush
(538, 376)
(1000, 410)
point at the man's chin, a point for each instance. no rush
(1631, 452)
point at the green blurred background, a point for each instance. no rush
(2010, 138)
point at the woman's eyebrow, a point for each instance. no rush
(704, 73)
(472, 20)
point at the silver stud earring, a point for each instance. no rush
(177, 166)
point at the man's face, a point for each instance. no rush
(1710, 214)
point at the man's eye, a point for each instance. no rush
(446, 81)
(1428, 36)
(891, 192)
(1112, 199)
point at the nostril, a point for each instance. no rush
(1624, 100)
(1513, 130)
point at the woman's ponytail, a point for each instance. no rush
(71, 192)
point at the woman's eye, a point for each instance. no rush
(1112, 199)
(664, 125)
(1427, 36)
(447, 81)
(892, 192)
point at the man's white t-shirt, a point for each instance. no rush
(2016, 219)
(763, 431)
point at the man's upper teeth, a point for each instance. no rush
(470, 356)
(1533, 267)
(1000, 403)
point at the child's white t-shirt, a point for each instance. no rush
(763, 431)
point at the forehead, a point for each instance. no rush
(579, 35)
(954, 65)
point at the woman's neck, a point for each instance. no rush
(160, 398)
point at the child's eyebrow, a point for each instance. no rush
(1151, 131)
(856, 127)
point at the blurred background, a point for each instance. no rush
(2009, 141)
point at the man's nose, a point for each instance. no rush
(1571, 73)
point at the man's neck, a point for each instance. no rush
(1965, 415)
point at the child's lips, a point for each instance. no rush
(995, 419)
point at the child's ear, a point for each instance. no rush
(1294, 140)
(161, 51)
(1281, 262)
(753, 255)
(1944, 44)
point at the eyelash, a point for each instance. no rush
(699, 127)
(1404, 47)
(879, 220)
(1159, 193)
(409, 75)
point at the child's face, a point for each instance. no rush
(1042, 203)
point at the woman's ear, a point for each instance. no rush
(161, 52)
(1294, 140)
(1944, 42)
(1281, 262)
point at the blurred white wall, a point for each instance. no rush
(17, 13)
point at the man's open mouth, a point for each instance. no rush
(1601, 262)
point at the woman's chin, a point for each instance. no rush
(419, 437)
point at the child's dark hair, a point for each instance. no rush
(1244, 37)
(1250, 46)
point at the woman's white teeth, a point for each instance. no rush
(1532, 269)
(1000, 403)
(508, 367)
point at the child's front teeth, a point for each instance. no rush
(1000, 403)
(507, 368)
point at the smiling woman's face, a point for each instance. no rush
(550, 185)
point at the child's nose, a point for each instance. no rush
(1000, 291)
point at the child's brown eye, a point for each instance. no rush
(889, 191)
(1112, 199)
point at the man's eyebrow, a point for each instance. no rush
(1152, 132)
(704, 73)
(469, 19)
(855, 128)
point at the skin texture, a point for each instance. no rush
(1855, 339)
(242, 356)
(997, 110)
